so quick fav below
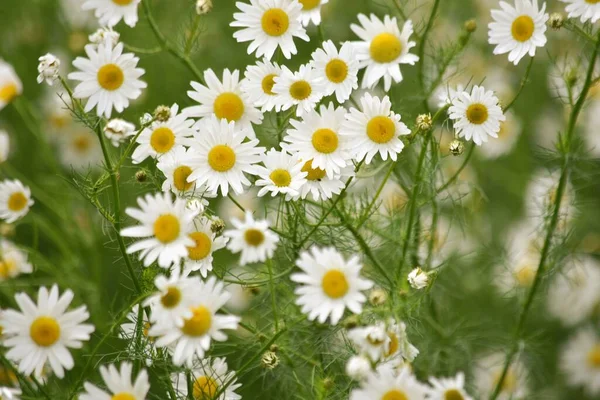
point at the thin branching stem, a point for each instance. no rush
(458, 171)
(524, 81)
(422, 44)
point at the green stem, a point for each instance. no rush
(272, 290)
(421, 50)
(457, 173)
(377, 194)
(521, 86)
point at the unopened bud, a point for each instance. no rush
(377, 297)
(141, 176)
(471, 25)
(269, 360)
(556, 21)
(328, 383)
(456, 147)
(424, 122)
(351, 322)
(217, 226)
(274, 348)
(145, 119)
(162, 113)
(418, 278)
(203, 6)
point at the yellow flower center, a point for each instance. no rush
(334, 284)
(166, 228)
(44, 331)
(8, 92)
(325, 141)
(309, 4)
(385, 48)
(594, 357)
(592, 1)
(202, 246)
(453, 394)
(199, 324)
(110, 77)
(59, 120)
(525, 275)
(275, 22)
(254, 237)
(267, 84)
(122, 395)
(221, 158)
(281, 177)
(522, 28)
(381, 129)
(394, 344)
(172, 298)
(82, 143)
(314, 174)
(7, 269)
(122, 3)
(162, 139)
(477, 113)
(394, 394)
(300, 90)
(336, 70)
(17, 201)
(205, 388)
(180, 176)
(229, 106)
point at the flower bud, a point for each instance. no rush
(162, 113)
(48, 69)
(556, 20)
(217, 225)
(470, 25)
(328, 383)
(269, 360)
(377, 297)
(418, 278)
(145, 119)
(456, 147)
(424, 122)
(117, 130)
(203, 6)
(141, 176)
(351, 322)
(358, 367)
(105, 35)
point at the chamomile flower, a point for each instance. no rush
(206, 242)
(225, 100)
(110, 12)
(9, 393)
(162, 138)
(252, 238)
(209, 376)
(193, 339)
(80, 149)
(338, 69)
(13, 261)
(10, 84)
(109, 78)
(269, 24)
(282, 173)
(476, 115)
(518, 30)
(118, 130)
(222, 157)
(387, 384)
(580, 360)
(447, 94)
(329, 284)
(4, 146)
(258, 84)
(170, 305)
(586, 10)
(448, 388)
(358, 367)
(319, 185)
(371, 340)
(382, 49)
(311, 11)
(317, 138)
(175, 166)
(165, 226)
(302, 89)
(41, 333)
(119, 384)
(15, 200)
(375, 129)
(487, 373)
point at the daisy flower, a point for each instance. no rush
(580, 360)
(252, 238)
(371, 340)
(41, 333)
(193, 339)
(311, 11)
(162, 138)
(118, 130)
(176, 168)
(165, 226)
(302, 89)
(575, 295)
(329, 284)
(258, 84)
(337, 69)
(110, 12)
(317, 138)
(269, 24)
(15, 200)
(382, 49)
(587, 10)
(321, 186)
(13, 261)
(476, 115)
(282, 173)
(447, 94)
(4, 146)
(80, 149)
(170, 305)
(209, 376)
(225, 100)
(119, 384)
(400, 348)
(10, 84)
(222, 157)
(488, 371)
(518, 30)
(109, 78)
(387, 384)
(375, 129)
(206, 242)
(448, 388)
